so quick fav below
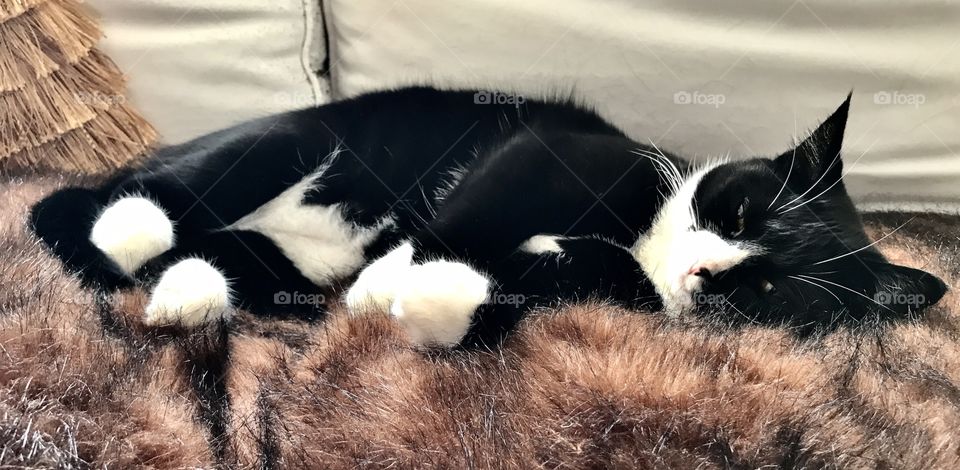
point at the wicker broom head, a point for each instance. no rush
(62, 103)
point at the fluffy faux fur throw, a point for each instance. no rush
(84, 383)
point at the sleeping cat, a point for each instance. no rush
(458, 216)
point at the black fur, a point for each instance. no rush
(807, 230)
(543, 167)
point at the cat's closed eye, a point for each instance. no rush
(740, 223)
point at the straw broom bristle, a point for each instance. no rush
(43, 40)
(108, 142)
(62, 106)
(42, 110)
(11, 8)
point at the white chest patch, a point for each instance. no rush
(319, 240)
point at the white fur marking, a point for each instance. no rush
(436, 301)
(374, 289)
(539, 244)
(674, 244)
(190, 293)
(319, 240)
(131, 231)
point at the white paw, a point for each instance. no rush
(190, 293)
(436, 301)
(376, 285)
(131, 231)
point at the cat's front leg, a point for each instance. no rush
(444, 302)
(376, 286)
(434, 301)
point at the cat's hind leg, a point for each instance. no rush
(190, 293)
(209, 277)
(63, 221)
(132, 230)
(182, 192)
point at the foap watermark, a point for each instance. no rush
(293, 99)
(298, 298)
(505, 298)
(701, 298)
(496, 97)
(887, 298)
(96, 98)
(698, 98)
(900, 99)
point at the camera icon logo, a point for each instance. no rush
(282, 298)
(882, 97)
(883, 298)
(682, 97)
(482, 97)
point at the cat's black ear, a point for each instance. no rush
(902, 290)
(817, 158)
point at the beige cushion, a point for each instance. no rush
(199, 65)
(761, 71)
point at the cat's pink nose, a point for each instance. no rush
(700, 271)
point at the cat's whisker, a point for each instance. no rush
(867, 246)
(667, 167)
(793, 159)
(734, 291)
(426, 201)
(671, 175)
(695, 208)
(665, 158)
(667, 177)
(740, 312)
(814, 198)
(300, 158)
(850, 290)
(854, 164)
(654, 145)
(815, 183)
(818, 285)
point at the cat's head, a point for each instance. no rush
(776, 240)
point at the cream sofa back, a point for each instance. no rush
(703, 78)
(195, 66)
(700, 78)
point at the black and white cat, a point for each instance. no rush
(458, 217)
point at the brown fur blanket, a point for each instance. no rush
(84, 383)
